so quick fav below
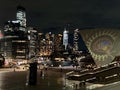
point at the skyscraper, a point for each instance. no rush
(21, 17)
(76, 38)
(65, 38)
(15, 44)
(58, 42)
(32, 42)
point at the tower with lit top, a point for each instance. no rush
(65, 38)
(21, 17)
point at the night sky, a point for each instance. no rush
(52, 14)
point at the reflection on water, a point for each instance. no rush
(47, 81)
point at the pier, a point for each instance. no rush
(100, 74)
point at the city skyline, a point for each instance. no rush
(51, 15)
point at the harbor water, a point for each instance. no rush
(47, 80)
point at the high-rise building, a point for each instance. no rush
(10, 30)
(11, 26)
(32, 42)
(46, 43)
(76, 38)
(15, 41)
(21, 17)
(65, 38)
(20, 46)
(40, 38)
(58, 42)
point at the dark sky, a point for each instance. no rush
(51, 14)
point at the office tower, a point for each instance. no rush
(10, 29)
(76, 38)
(65, 38)
(32, 42)
(58, 42)
(21, 17)
(40, 43)
(49, 43)
(11, 26)
(20, 46)
(46, 43)
(15, 42)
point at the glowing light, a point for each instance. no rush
(102, 44)
(1, 35)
